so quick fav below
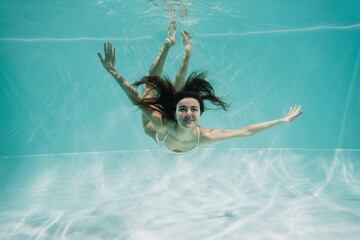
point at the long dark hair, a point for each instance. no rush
(166, 97)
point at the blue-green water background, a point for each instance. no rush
(264, 56)
(67, 131)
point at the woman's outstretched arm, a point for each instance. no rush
(181, 75)
(108, 63)
(216, 135)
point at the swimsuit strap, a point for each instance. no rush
(198, 131)
(168, 132)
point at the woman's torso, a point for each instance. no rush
(167, 136)
(172, 142)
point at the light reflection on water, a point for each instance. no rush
(175, 8)
(218, 194)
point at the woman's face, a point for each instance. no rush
(188, 112)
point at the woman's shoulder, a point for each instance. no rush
(165, 126)
(203, 130)
(205, 136)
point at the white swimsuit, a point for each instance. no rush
(167, 150)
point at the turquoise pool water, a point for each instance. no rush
(75, 163)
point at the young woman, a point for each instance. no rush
(171, 111)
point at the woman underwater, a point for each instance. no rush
(171, 111)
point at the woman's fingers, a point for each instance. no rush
(293, 113)
(114, 57)
(108, 61)
(108, 51)
(101, 58)
(299, 108)
(295, 109)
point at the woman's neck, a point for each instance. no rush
(183, 133)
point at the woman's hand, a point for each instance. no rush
(109, 61)
(293, 114)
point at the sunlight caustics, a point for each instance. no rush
(75, 162)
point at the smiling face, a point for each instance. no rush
(188, 112)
